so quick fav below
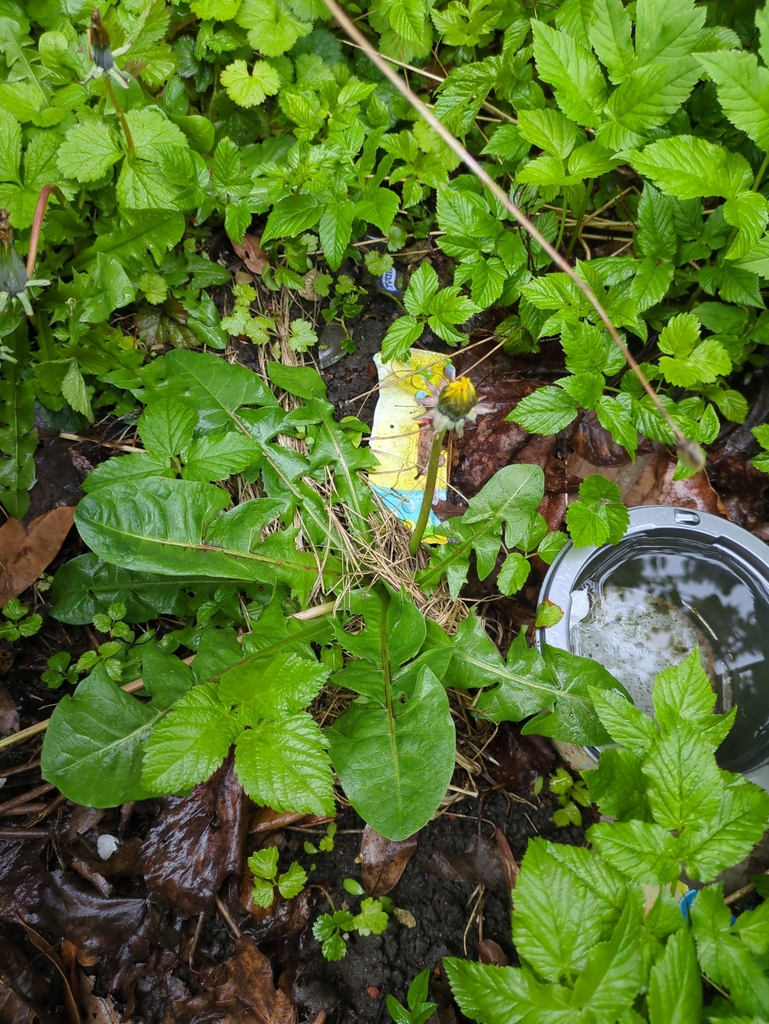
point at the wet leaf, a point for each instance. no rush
(252, 253)
(383, 861)
(478, 864)
(9, 715)
(246, 979)
(196, 842)
(25, 551)
(515, 762)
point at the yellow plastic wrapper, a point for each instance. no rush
(395, 435)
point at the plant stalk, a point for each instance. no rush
(37, 223)
(580, 218)
(485, 178)
(429, 491)
(119, 111)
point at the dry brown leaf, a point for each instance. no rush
(490, 952)
(9, 715)
(98, 1009)
(383, 861)
(26, 551)
(252, 253)
(656, 486)
(246, 980)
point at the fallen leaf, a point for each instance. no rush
(246, 979)
(478, 864)
(490, 952)
(9, 714)
(404, 917)
(656, 486)
(383, 861)
(196, 842)
(595, 444)
(98, 1009)
(510, 865)
(252, 253)
(515, 762)
(26, 551)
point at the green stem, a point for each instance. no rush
(427, 497)
(559, 239)
(580, 217)
(760, 174)
(119, 111)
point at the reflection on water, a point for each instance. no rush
(650, 611)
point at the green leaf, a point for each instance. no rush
(623, 721)
(190, 743)
(683, 781)
(494, 994)
(513, 573)
(422, 288)
(10, 147)
(549, 130)
(683, 692)
(291, 216)
(88, 151)
(216, 388)
(566, 901)
(263, 893)
(292, 882)
(529, 682)
(723, 958)
(675, 989)
(74, 391)
(743, 91)
(402, 334)
(371, 920)
(264, 863)
(218, 456)
(170, 526)
(166, 427)
(284, 765)
(545, 411)
(645, 100)
(638, 849)
(413, 751)
(286, 683)
(335, 229)
(688, 167)
(610, 38)
(94, 743)
(548, 613)
(272, 28)
(656, 234)
(742, 818)
(250, 89)
(614, 970)
(574, 73)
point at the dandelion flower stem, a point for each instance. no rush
(427, 498)
(119, 111)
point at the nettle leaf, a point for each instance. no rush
(566, 902)
(190, 743)
(166, 427)
(284, 765)
(573, 72)
(743, 91)
(549, 130)
(723, 958)
(249, 89)
(545, 411)
(688, 167)
(609, 35)
(89, 151)
(335, 230)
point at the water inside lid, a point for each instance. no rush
(646, 610)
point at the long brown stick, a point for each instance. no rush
(690, 451)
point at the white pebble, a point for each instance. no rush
(106, 846)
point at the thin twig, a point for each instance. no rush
(691, 451)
